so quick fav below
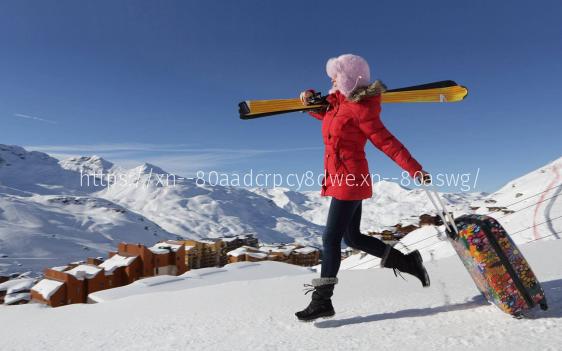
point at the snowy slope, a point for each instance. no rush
(48, 230)
(538, 214)
(374, 310)
(243, 271)
(192, 210)
(35, 172)
(391, 204)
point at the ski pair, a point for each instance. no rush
(442, 91)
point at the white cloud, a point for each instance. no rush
(35, 118)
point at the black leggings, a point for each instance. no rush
(344, 219)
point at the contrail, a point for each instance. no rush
(20, 115)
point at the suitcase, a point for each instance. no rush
(494, 262)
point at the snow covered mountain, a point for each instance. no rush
(188, 209)
(53, 212)
(34, 172)
(391, 204)
(48, 230)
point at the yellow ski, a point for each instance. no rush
(443, 91)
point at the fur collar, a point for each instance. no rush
(374, 89)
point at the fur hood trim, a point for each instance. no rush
(374, 89)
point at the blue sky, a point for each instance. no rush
(159, 81)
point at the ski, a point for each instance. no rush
(442, 91)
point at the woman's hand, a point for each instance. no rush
(305, 95)
(423, 177)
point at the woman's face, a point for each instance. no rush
(334, 82)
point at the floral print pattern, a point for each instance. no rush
(486, 268)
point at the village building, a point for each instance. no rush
(204, 252)
(50, 292)
(292, 254)
(16, 291)
(305, 256)
(169, 258)
(121, 270)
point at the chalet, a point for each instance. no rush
(293, 254)
(121, 270)
(279, 252)
(50, 292)
(305, 256)
(245, 253)
(16, 291)
(204, 253)
(191, 257)
(169, 258)
(233, 242)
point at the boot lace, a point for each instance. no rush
(308, 288)
(397, 273)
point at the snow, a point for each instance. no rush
(84, 271)
(164, 248)
(15, 285)
(241, 271)
(238, 251)
(17, 297)
(47, 287)
(116, 261)
(306, 250)
(222, 309)
(257, 255)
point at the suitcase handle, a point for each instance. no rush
(445, 215)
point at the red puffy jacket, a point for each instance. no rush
(346, 126)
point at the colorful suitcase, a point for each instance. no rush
(496, 265)
(494, 262)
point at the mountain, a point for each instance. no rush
(49, 230)
(186, 208)
(34, 172)
(53, 212)
(58, 211)
(391, 204)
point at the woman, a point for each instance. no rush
(351, 118)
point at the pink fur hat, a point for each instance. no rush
(350, 71)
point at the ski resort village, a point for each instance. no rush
(73, 283)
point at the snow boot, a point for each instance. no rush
(321, 305)
(411, 263)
